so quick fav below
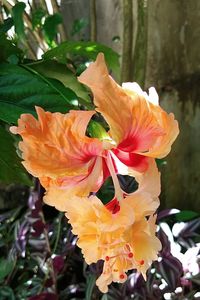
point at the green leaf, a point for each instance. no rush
(53, 69)
(80, 69)
(191, 294)
(106, 192)
(85, 49)
(196, 279)
(17, 14)
(91, 279)
(104, 297)
(186, 215)
(6, 267)
(78, 25)
(161, 162)
(37, 16)
(116, 38)
(8, 48)
(21, 90)
(7, 293)
(7, 24)
(50, 27)
(13, 59)
(95, 129)
(11, 169)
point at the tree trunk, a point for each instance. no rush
(173, 66)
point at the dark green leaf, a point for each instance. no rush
(85, 49)
(7, 48)
(196, 279)
(11, 169)
(91, 279)
(6, 293)
(21, 90)
(6, 266)
(50, 27)
(53, 69)
(80, 69)
(186, 215)
(116, 38)
(13, 59)
(37, 16)
(7, 24)
(161, 162)
(78, 25)
(17, 14)
(104, 297)
(106, 192)
(190, 295)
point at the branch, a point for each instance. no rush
(93, 22)
(140, 52)
(1, 12)
(56, 9)
(34, 33)
(127, 41)
(39, 4)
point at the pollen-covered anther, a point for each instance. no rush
(141, 262)
(128, 248)
(121, 276)
(107, 258)
(130, 254)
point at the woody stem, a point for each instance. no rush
(118, 190)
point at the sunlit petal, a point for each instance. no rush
(124, 239)
(56, 150)
(137, 123)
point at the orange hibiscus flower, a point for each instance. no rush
(55, 147)
(72, 166)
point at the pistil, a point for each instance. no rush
(118, 190)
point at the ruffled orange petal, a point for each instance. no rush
(150, 180)
(137, 123)
(109, 97)
(166, 124)
(139, 248)
(145, 201)
(143, 242)
(56, 150)
(59, 191)
(118, 238)
(55, 144)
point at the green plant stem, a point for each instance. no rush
(53, 274)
